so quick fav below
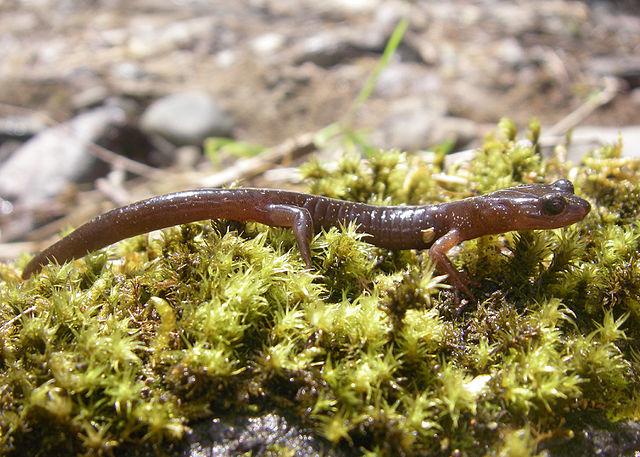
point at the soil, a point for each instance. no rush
(489, 59)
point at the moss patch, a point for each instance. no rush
(367, 350)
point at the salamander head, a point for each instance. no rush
(537, 206)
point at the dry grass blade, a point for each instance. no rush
(608, 92)
(288, 150)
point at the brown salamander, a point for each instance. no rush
(438, 227)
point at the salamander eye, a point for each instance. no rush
(563, 185)
(553, 204)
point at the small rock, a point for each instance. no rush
(268, 43)
(413, 125)
(626, 68)
(593, 436)
(329, 48)
(7, 148)
(186, 158)
(44, 165)
(128, 71)
(407, 78)
(510, 52)
(89, 98)
(226, 58)
(186, 118)
(232, 436)
(586, 138)
(20, 127)
(152, 39)
(324, 49)
(459, 130)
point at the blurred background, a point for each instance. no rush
(106, 102)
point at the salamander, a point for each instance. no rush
(438, 227)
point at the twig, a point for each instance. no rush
(100, 152)
(10, 251)
(13, 319)
(111, 187)
(249, 168)
(553, 134)
(608, 92)
(118, 161)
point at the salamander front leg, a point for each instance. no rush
(299, 219)
(438, 253)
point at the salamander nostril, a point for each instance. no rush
(586, 206)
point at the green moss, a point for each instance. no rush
(130, 344)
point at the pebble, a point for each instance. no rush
(267, 43)
(352, 6)
(128, 70)
(422, 130)
(329, 48)
(400, 79)
(152, 39)
(186, 118)
(20, 127)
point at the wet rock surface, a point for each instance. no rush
(595, 436)
(270, 434)
(588, 434)
(256, 436)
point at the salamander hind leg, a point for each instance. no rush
(300, 221)
(438, 253)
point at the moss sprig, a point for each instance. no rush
(133, 343)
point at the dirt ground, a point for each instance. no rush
(281, 68)
(480, 60)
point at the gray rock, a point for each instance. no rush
(510, 51)
(412, 125)
(348, 7)
(7, 148)
(128, 70)
(90, 97)
(186, 118)
(20, 127)
(593, 436)
(401, 79)
(162, 38)
(45, 164)
(268, 43)
(332, 47)
(625, 67)
(325, 49)
(256, 436)
(586, 138)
